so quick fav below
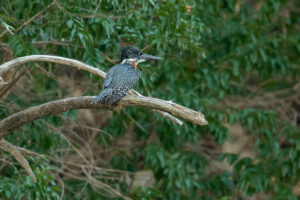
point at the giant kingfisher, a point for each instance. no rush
(122, 77)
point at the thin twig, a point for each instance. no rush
(17, 153)
(11, 84)
(31, 19)
(110, 60)
(54, 42)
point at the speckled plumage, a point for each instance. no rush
(119, 80)
(123, 77)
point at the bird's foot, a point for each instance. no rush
(94, 101)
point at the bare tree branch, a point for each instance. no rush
(54, 42)
(17, 153)
(55, 107)
(165, 108)
(73, 63)
(5, 89)
(52, 59)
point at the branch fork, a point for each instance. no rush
(167, 109)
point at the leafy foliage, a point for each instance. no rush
(235, 61)
(45, 188)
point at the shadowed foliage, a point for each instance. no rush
(235, 61)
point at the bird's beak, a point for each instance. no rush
(149, 57)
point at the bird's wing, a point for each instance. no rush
(108, 79)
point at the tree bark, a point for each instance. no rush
(55, 107)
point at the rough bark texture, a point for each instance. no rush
(55, 107)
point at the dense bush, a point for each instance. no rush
(235, 61)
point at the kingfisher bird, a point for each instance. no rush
(122, 77)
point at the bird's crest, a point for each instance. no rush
(130, 52)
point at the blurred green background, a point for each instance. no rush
(235, 61)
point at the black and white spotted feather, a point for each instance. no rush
(119, 80)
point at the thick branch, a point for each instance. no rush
(53, 59)
(73, 63)
(55, 107)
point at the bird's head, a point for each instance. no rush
(132, 55)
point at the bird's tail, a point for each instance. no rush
(99, 97)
